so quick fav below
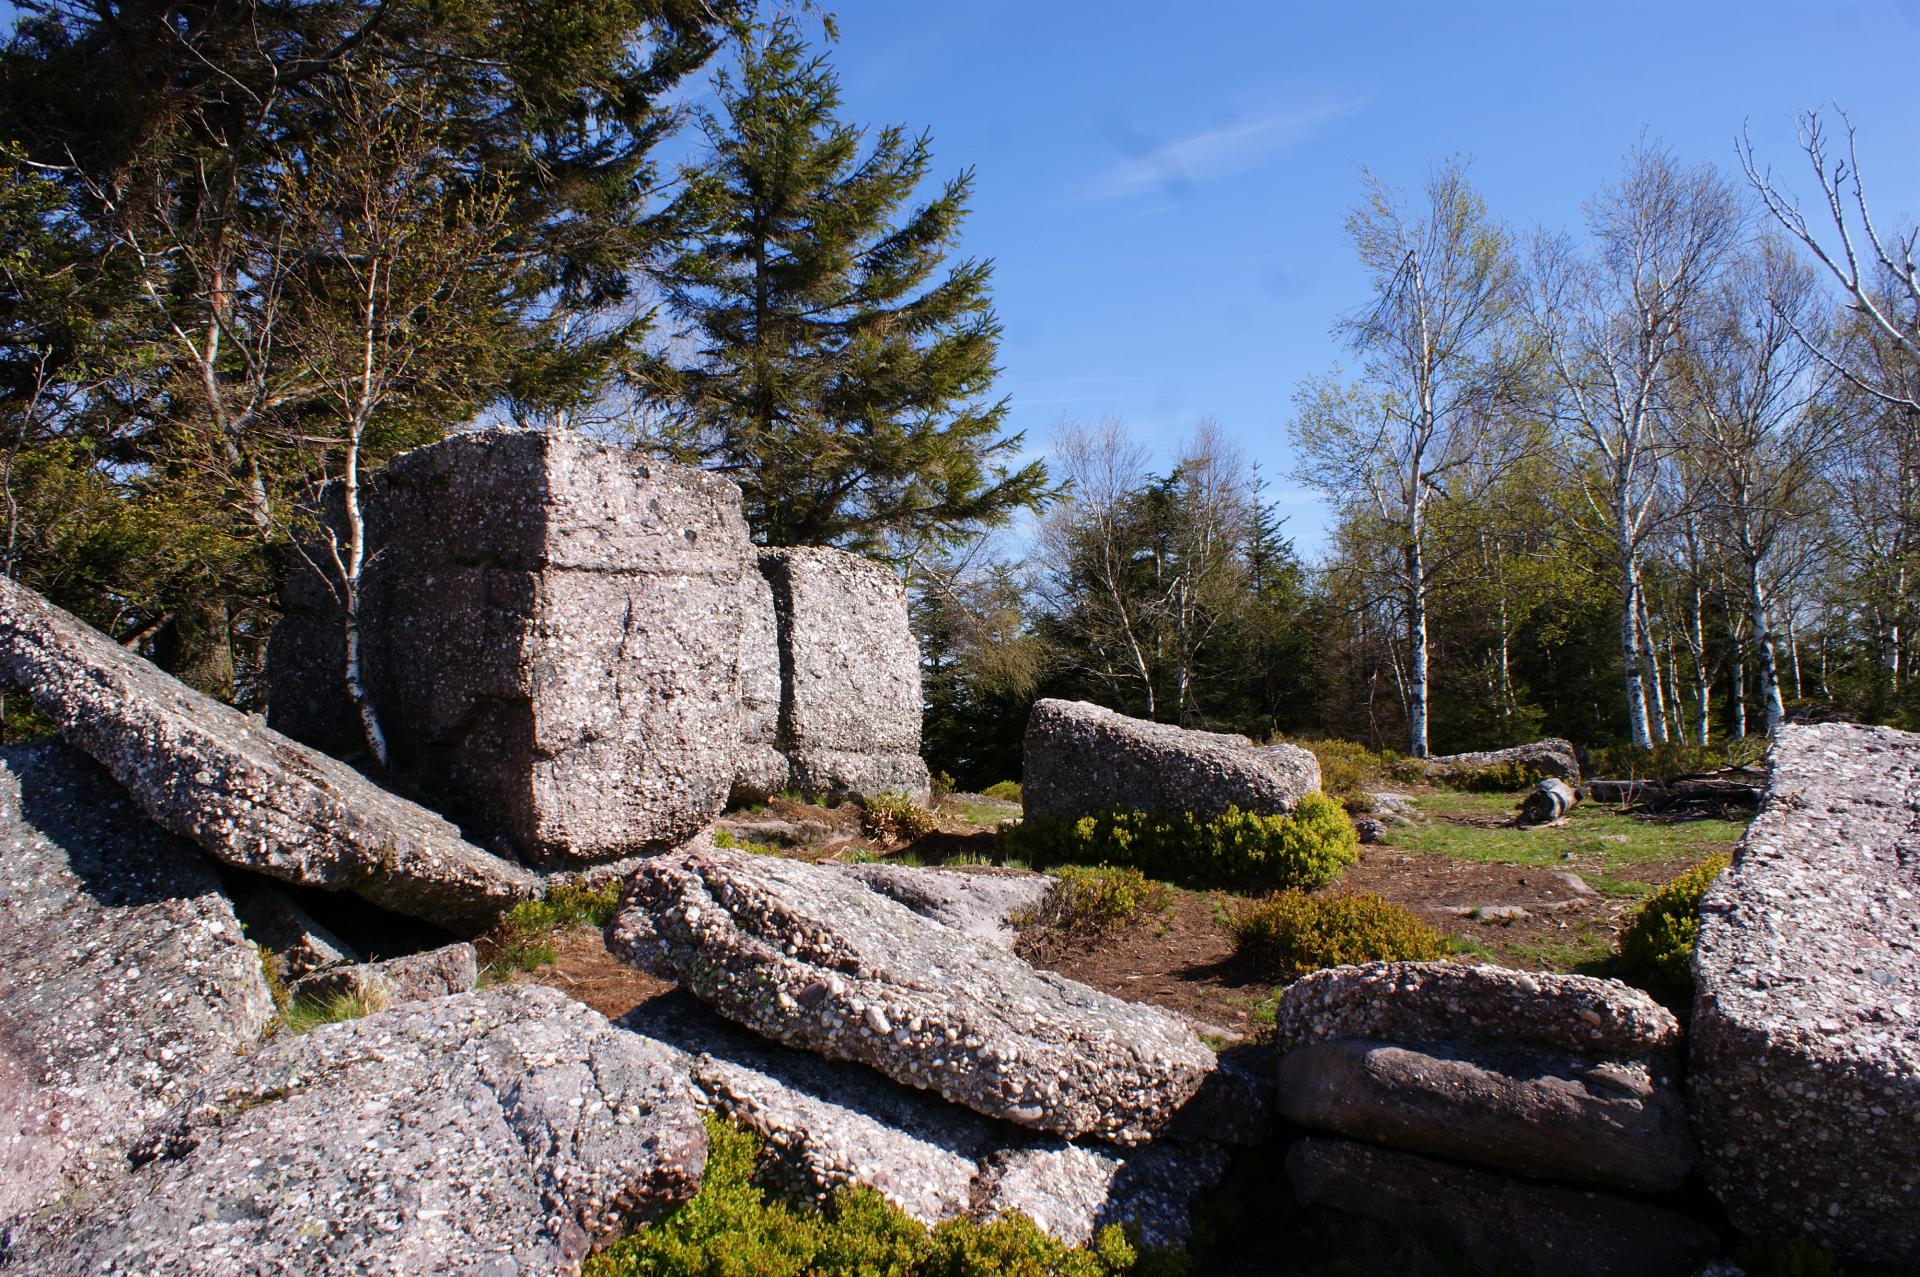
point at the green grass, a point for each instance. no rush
(300, 1015)
(730, 841)
(1600, 838)
(984, 812)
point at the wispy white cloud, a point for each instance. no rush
(1173, 167)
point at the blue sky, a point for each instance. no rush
(1162, 186)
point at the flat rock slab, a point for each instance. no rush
(244, 792)
(124, 976)
(982, 903)
(453, 968)
(831, 1125)
(1552, 757)
(1456, 1003)
(1082, 760)
(1500, 1225)
(1615, 1123)
(809, 956)
(499, 1132)
(1805, 1076)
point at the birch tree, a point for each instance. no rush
(1433, 373)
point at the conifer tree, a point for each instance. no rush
(838, 374)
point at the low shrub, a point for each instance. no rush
(1006, 791)
(1095, 899)
(1674, 758)
(1495, 778)
(1656, 945)
(940, 784)
(1306, 849)
(895, 818)
(1291, 933)
(732, 1228)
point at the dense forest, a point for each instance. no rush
(1653, 481)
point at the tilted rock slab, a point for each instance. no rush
(850, 673)
(1557, 1077)
(833, 1124)
(288, 936)
(508, 1131)
(1500, 1225)
(1082, 760)
(760, 767)
(415, 977)
(244, 792)
(124, 977)
(551, 628)
(808, 956)
(986, 904)
(1805, 1076)
(1552, 757)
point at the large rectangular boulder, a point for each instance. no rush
(551, 629)
(248, 795)
(1805, 1077)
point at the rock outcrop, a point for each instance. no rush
(760, 768)
(850, 708)
(501, 1132)
(1805, 1076)
(453, 968)
(986, 904)
(1496, 1224)
(1550, 757)
(244, 792)
(810, 957)
(124, 977)
(289, 939)
(1553, 1077)
(830, 1125)
(1082, 760)
(551, 630)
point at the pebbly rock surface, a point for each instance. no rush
(986, 904)
(244, 792)
(850, 670)
(1485, 1005)
(1552, 757)
(830, 1125)
(1611, 1122)
(1496, 1224)
(124, 977)
(809, 956)
(500, 1132)
(760, 768)
(453, 968)
(1082, 760)
(288, 936)
(1805, 1077)
(552, 634)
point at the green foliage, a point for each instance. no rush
(1656, 945)
(1007, 791)
(1495, 778)
(1093, 900)
(1347, 768)
(731, 841)
(895, 818)
(301, 1015)
(841, 377)
(1306, 849)
(522, 940)
(732, 1228)
(1674, 758)
(1291, 933)
(940, 784)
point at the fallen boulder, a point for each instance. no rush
(850, 709)
(1082, 760)
(550, 634)
(1496, 1224)
(508, 1131)
(809, 956)
(1550, 757)
(1805, 1077)
(124, 977)
(986, 904)
(1556, 1077)
(245, 793)
(454, 968)
(289, 939)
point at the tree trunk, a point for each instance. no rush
(1630, 642)
(1416, 643)
(195, 646)
(1702, 681)
(1765, 661)
(352, 572)
(1656, 685)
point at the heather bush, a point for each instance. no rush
(1291, 933)
(1006, 791)
(1093, 900)
(1656, 945)
(895, 818)
(1305, 849)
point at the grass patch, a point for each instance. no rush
(523, 938)
(730, 841)
(1093, 900)
(1588, 952)
(733, 1228)
(1307, 849)
(1600, 835)
(981, 811)
(302, 1014)
(1291, 933)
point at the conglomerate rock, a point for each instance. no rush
(414, 977)
(1553, 757)
(1082, 760)
(1496, 1224)
(551, 629)
(124, 977)
(507, 1131)
(244, 792)
(982, 903)
(809, 956)
(1805, 1077)
(288, 936)
(833, 1124)
(760, 768)
(850, 673)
